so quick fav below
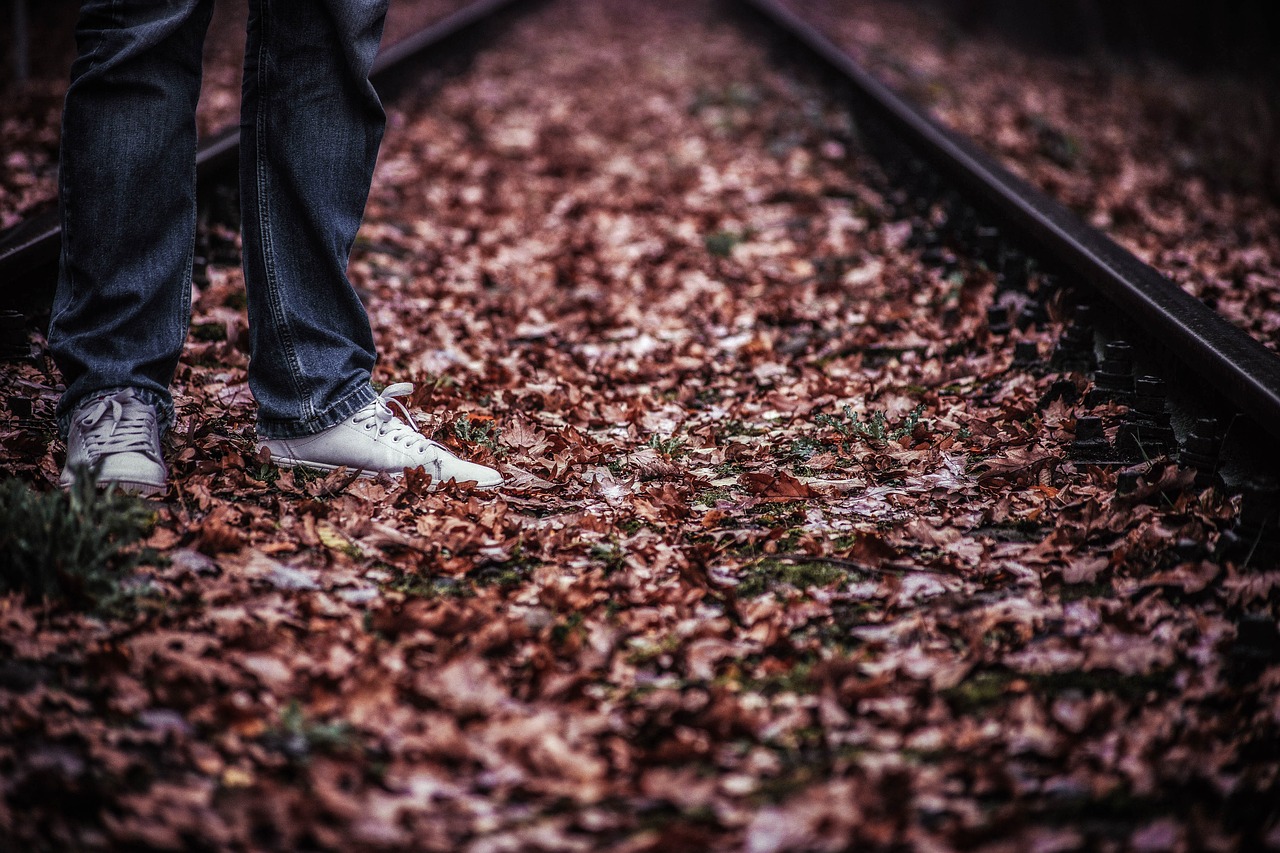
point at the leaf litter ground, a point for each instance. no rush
(790, 557)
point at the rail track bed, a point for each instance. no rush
(802, 549)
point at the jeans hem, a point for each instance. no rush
(359, 397)
(162, 402)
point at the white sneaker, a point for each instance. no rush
(373, 441)
(115, 438)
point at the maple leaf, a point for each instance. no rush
(523, 435)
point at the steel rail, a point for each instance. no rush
(1234, 364)
(33, 245)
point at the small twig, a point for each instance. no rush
(330, 491)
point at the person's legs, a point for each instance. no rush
(310, 128)
(127, 194)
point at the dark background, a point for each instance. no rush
(1232, 36)
(1199, 35)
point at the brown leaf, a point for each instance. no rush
(777, 487)
(1020, 465)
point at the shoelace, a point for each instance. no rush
(119, 423)
(383, 414)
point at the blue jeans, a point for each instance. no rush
(310, 127)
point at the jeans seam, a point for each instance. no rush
(65, 190)
(271, 280)
(116, 19)
(189, 283)
(65, 187)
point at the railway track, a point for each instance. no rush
(1229, 369)
(824, 529)
(1217, 388)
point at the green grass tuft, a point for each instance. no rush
(482, 432)
(769, 573)
(876, 427)
(71, 546)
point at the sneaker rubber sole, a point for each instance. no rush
(285, 462)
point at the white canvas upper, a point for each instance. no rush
(374, 441)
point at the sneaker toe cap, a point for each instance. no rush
(462, 471)
(137, 465)
(134, 472)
